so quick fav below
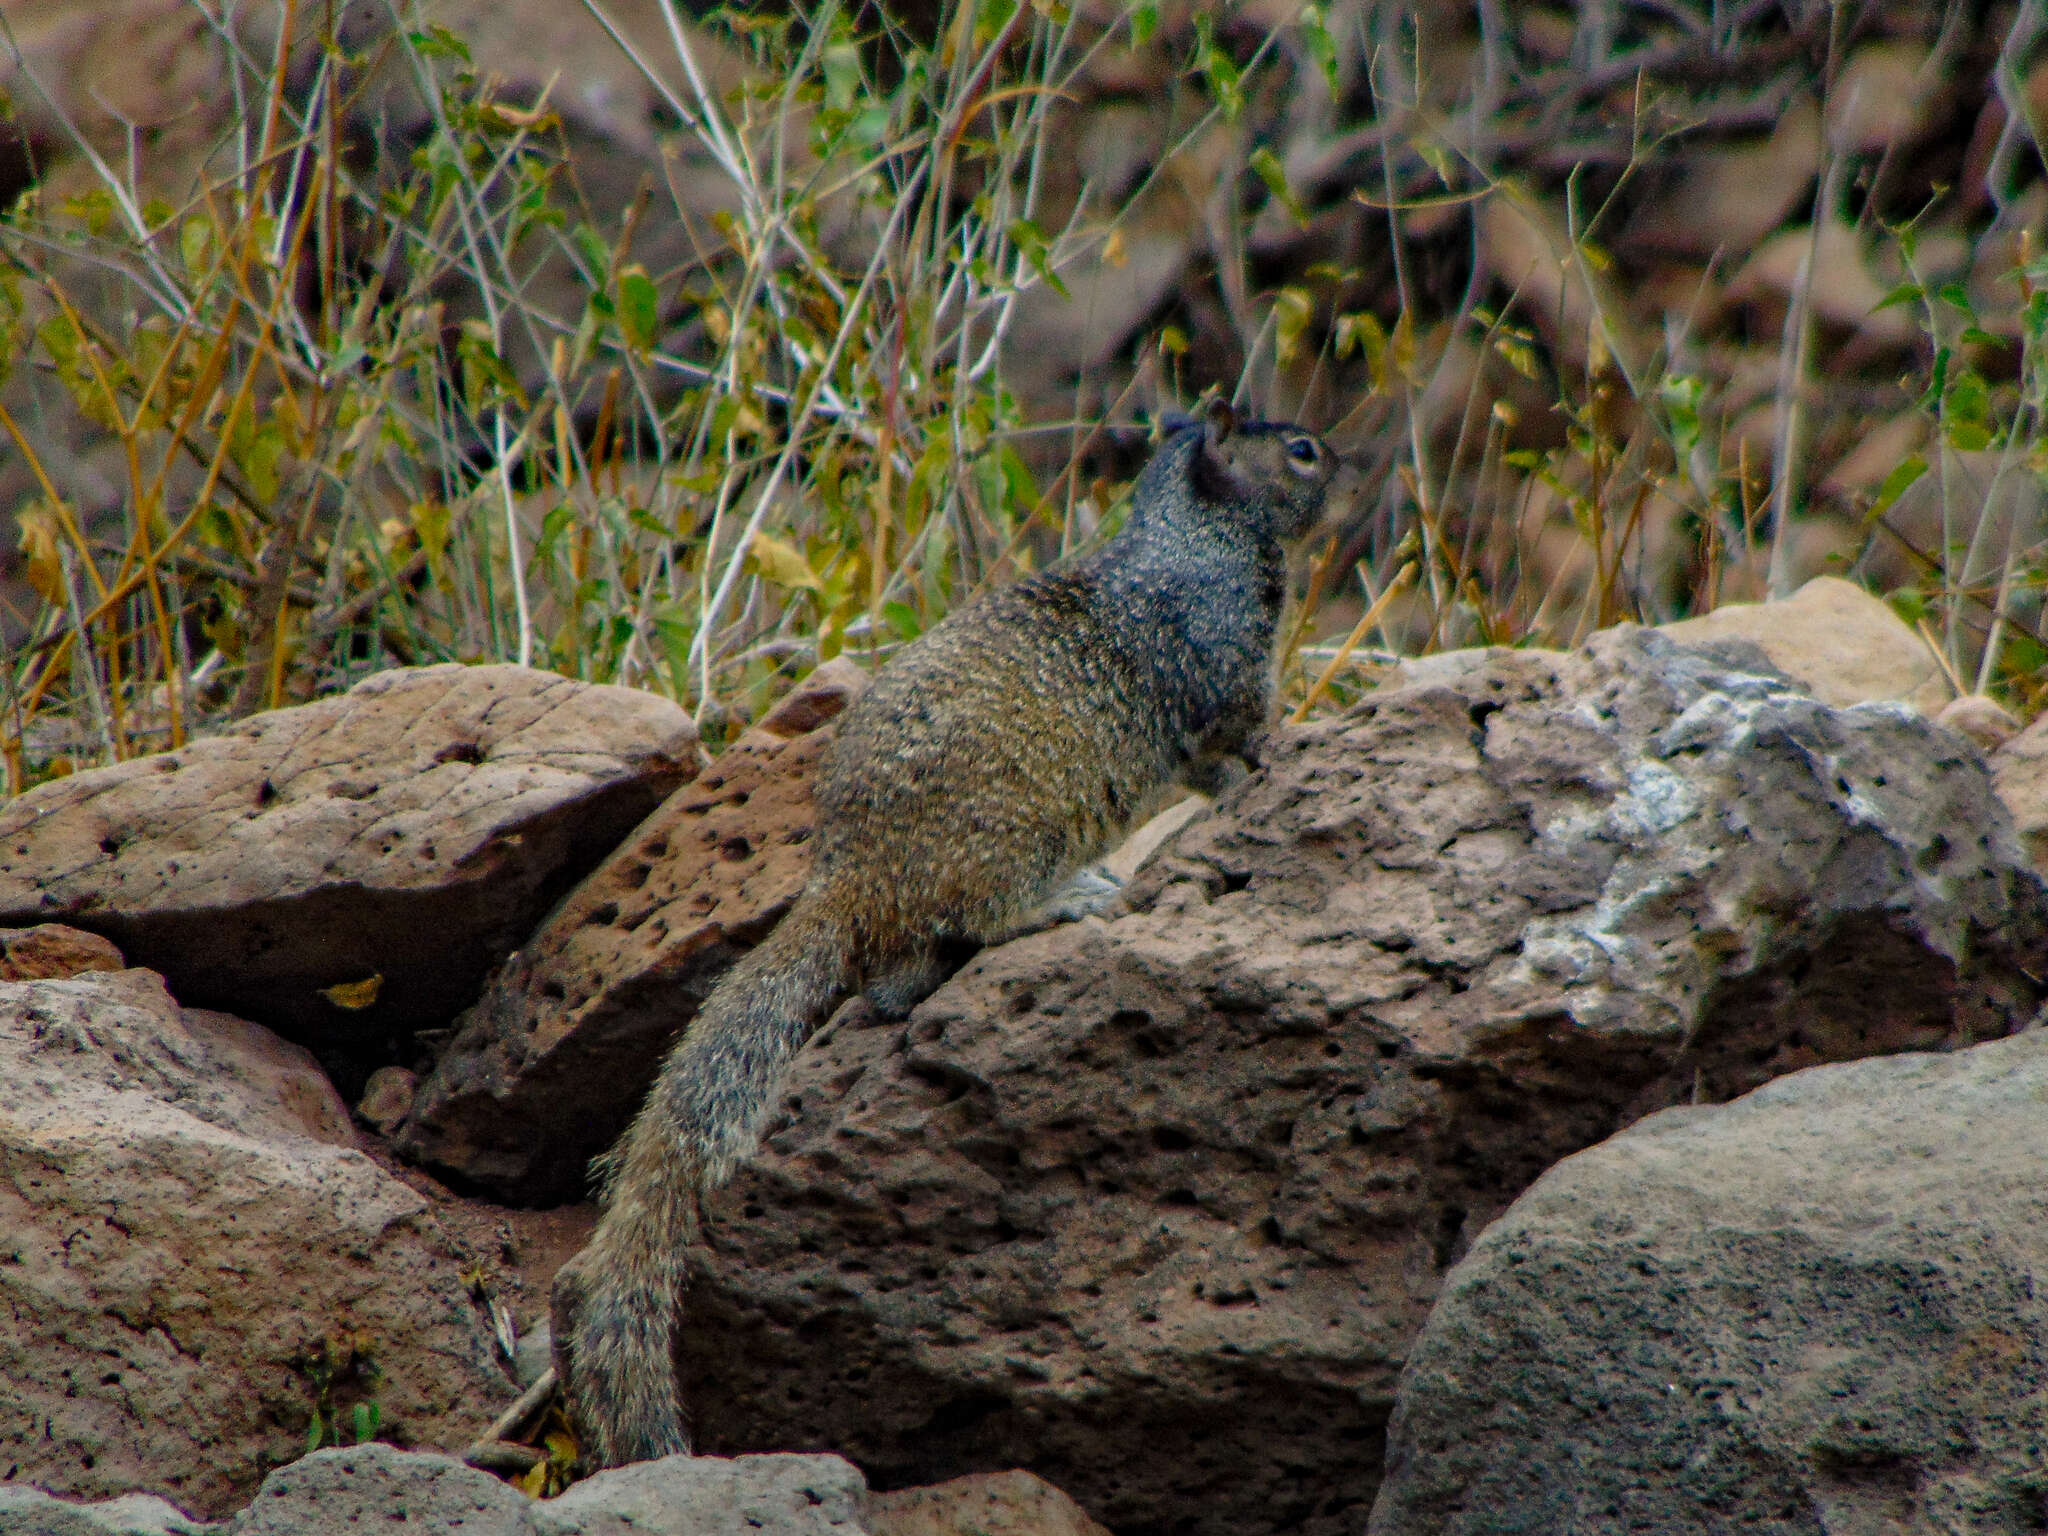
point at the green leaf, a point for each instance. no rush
(1909, 469)
(1144, 22)
(560, 518)
(1905, 293)
(596, 254)
(1320, 46)
(437, 42)
(1361, 332)
(1293, 309)
(842, 75)
(1226, 80)
(639, 308)
(364, 1422)
(902, 618)
(1270, 171)
(316, 1433)
(1030, 243)
(1680, 394)
(783, 563)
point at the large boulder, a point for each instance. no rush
(1155, 1206)
(193, 1255)
(545, 1070)
(349, 871)
(1822, 1308)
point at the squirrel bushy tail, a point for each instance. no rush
(616, 1304)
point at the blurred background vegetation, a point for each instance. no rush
(685, 348)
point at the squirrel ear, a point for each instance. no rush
(1215, 480)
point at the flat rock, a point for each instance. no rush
(1155, 1206)
(1822, 1308)
(545, 1070)
(185, 1226)
(1837, 641)
(374, 1486)
(394, 843)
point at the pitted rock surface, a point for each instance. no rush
(1156, 1206)
(183, 1218)
(412, 830)
(1821, 1308)
(549, 1065)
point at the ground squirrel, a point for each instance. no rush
(986, 764)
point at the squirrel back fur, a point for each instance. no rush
(990, 760)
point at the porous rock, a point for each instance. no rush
(1155, 1206)
(547, 1067)
(983, 1504)
(52, 951)
(184, 1225)
(374, 1486)
(1822, 1308)
(1837, 641)
(394, 842)
(32, 1512)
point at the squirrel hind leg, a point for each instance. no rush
(893, 990)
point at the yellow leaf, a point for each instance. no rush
(533, 1482)
(353, 995)
(783, 563)
(41, 562)
(1113, 250)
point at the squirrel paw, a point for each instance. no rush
(1088, 894)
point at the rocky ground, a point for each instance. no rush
(1586, 1089)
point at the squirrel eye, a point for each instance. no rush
(1303, 450)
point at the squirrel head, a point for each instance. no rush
(1272, 475)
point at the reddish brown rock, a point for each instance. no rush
(1154, 1207)
(52, 951)
(349, 871)
(985, 1504)
(546, 1069)
(185, 1226)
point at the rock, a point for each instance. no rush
(1153, 1207)
(546, 1069)
(1835, 640)
(1817, 1309)
(52, 951)
(2019, 769)
(349, 1488)
(986, 1504)
(778, 1495)
(31, 1512)
(1982, 720)
(337, 1491)
(387, 1098)
(349, 871)
(187, 1235)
